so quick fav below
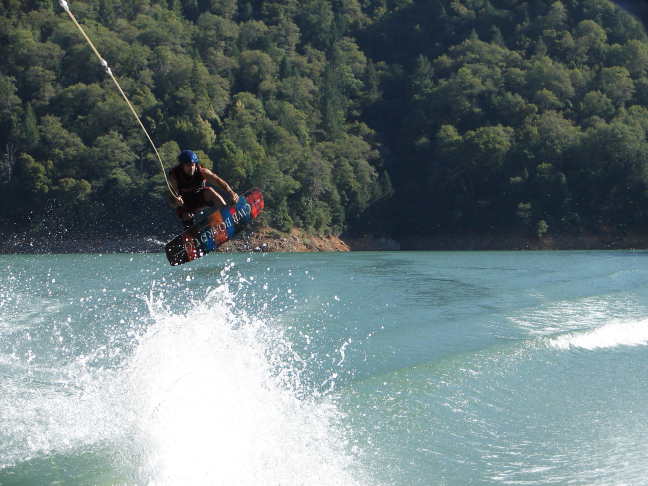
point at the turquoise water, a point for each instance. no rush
(438, 368)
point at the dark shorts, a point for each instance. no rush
(192, 203)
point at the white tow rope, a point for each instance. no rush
(104, 63)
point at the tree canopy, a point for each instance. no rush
(383, 117)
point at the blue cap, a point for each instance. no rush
(187, 157)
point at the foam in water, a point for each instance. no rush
(213, 408)
(212, 396)
(74, 411)
(609, 335)
(50, 403)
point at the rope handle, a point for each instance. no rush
(104, 63)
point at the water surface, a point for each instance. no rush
(402, 368)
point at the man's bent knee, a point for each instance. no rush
(213, 197)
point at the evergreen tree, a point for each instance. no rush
(246, 11)
(318, 27)
(30, 136)
(191, 10)
(285, 68)
(333, 103)
(422, 77)
(176, 7)
(107, 13)
(371, 79)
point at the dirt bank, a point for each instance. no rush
(267, 239)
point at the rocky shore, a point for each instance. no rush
(265, 239)
(269, 240)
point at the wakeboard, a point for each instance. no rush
(215, 229)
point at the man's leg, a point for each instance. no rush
(212, 198)
(209, 198)
(187, 220)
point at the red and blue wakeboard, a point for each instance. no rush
(218, 227)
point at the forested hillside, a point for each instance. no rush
(442, 116)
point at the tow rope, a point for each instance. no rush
(104, 63)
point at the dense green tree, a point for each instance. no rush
(70, 192)
(633, 56)
(596, 104)
(36, 175)
(589, 43)
(615, 82)
(8, 98)
(552, 76)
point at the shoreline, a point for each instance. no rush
(268, 240)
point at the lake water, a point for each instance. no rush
(430, 368)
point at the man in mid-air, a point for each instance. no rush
(188, 180)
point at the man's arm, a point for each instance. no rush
(173, 200)
(217, 181)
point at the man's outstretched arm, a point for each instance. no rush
(217, 181)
